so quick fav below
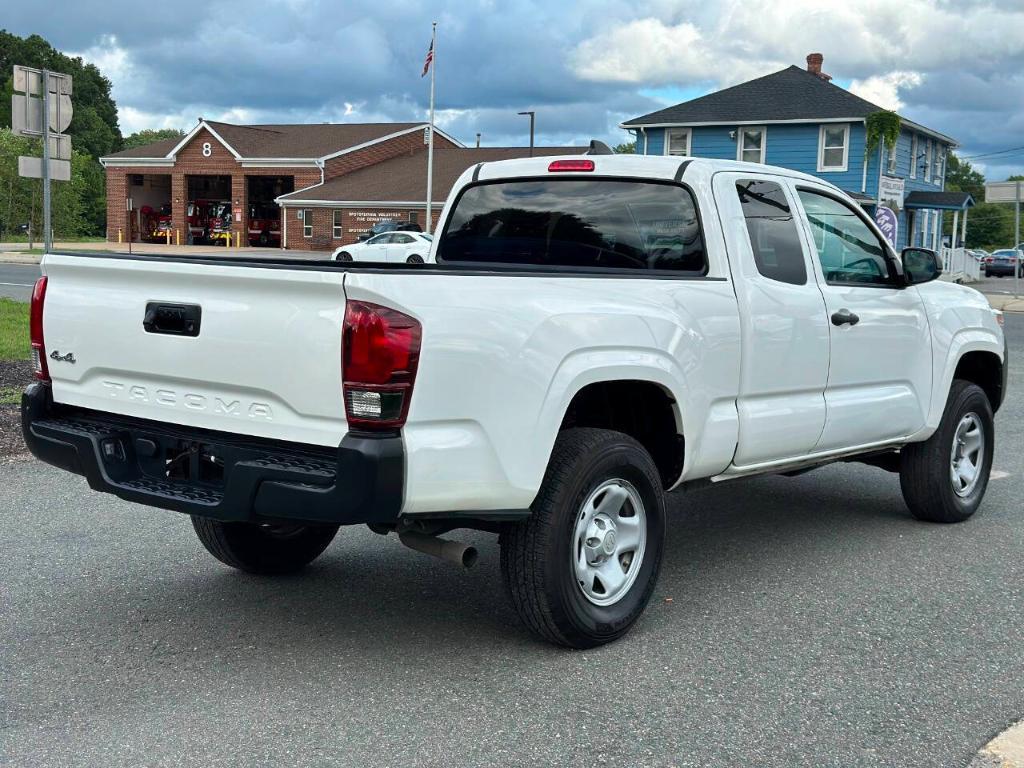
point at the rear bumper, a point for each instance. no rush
(215, 474)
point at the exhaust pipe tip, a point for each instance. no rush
(453, 551)
(469, 556)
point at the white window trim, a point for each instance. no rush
(928, 161)
(683, 131)
(913, 155)
(739, 140)
(822, 168)
(336, 229)
(307, 225)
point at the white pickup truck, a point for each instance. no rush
(588, 334)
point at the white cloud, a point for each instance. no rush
(884, 90)
(860, 40)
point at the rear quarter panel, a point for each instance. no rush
(503, 355)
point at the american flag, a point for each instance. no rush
(429, 60)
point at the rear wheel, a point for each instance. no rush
(263, 548)
(582, 567)
(945, 477)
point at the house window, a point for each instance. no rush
(307, 222)
(891, 168)
(414, 217)
(751, 146)
(928, 161)
(940, 159)
(336, 225)
(913, 156)
(677, 141)
(833, 147)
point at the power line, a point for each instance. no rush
(990, 154)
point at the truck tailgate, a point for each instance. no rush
(266, 360)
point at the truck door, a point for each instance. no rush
(880, 368)
(784, 331)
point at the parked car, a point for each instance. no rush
(596, 332)
(979, 254)
(390, 226)
(400, 247)
(1004, 263)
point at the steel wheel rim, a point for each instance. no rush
(609, 540)
(967, 455)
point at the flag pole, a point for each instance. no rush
(430, 134)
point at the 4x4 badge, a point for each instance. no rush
(68, 358)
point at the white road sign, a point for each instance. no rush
(32, 168)
(1004, 191)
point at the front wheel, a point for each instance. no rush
(944, 478)
(263, 548)
(344, 256)
(581, 568)
(414, 259)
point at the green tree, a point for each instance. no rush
(149, 135)
(626, 148)
(962, 177)
(76, 205)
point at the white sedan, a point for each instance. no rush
(394, 247)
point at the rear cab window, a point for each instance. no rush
(774, 239)
(604, 225)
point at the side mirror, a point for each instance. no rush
(920, 265)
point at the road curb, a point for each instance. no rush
(1005, 303)
(1004, 751)
(12, 257)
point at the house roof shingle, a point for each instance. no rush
(789, 94)
(939, 199)
(301, 141)
(404, 178)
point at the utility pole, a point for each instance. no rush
(532, 115)
(47, 232)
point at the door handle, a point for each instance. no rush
(844, 317)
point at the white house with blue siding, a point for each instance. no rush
(796, 118)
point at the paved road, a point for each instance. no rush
(16, 280)
(803, 621)
(1004, 285)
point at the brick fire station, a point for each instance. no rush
(304, 187)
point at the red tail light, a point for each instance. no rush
(35, 323)
(571, 165)
(380, 350)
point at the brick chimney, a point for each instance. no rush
(814, 62)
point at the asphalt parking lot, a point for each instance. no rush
(800, 621)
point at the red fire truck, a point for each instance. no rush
(265, 225)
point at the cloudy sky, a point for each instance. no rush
(957, 67)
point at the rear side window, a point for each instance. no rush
(574, 223)
(773, 234)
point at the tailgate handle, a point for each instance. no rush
(172, 319)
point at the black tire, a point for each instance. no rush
(263, 549)
(344, 256)
(414, 259)
(264, 240)
(925, 471)
(536, 553)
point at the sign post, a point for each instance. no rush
(41, 107)
(1010, 192)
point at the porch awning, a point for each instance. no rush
(943, 201)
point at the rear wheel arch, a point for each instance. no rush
(645, 410)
